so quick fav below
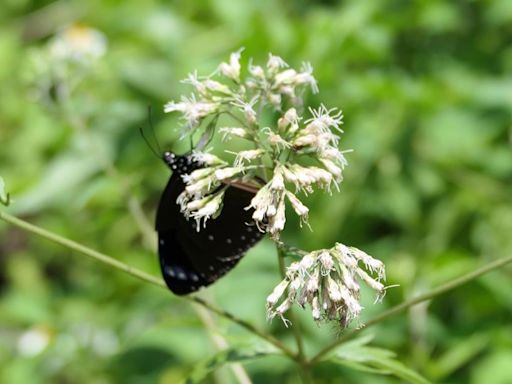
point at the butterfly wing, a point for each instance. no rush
(191, 259)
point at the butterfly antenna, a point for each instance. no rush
(150, 119)
(141, 130)
(157, 152)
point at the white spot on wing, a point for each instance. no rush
(193, 276)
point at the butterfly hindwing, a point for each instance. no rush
(190, 259)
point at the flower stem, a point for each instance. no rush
(300, 356)
(101, 257)
(448, 286)
(133, 204)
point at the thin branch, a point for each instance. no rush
(141, 276)
(300, 356)
(291, 315)
(136, 211)
(221, 344)
(448, 286)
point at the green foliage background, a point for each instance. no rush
(426, 87)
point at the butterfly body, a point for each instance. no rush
(191, 259)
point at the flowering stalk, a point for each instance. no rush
(328, 281)
(281, 148)
(295, 154)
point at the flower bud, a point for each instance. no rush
(227, 172)
(276, 294)
(238, 132)
(232, 70)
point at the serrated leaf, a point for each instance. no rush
(357, 355)
(232, 355)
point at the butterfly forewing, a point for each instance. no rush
(190, 259)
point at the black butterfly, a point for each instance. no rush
(190, 259)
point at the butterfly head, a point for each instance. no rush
(169, 158)
(180, 164)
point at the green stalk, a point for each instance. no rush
(116, 264)
(448, 286)
(300, 357)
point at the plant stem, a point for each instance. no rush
(101, 257)
(221, 344)
(300, 356)
(134, 207)
(448, 286)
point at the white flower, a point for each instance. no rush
(193, 80)
(197, 175)
(313, 283)
(256, 71)
(325, 119)
(275, 63)
(306, 77)
(261, 203)
(78, 43)
(234, 131)
(326, 261)
(322, 280)
(247, 109)
(210, 209)
(289, 118)
(334, 290)
(33, 341)
(227, 172)
(215, 86)
(232, 70)
(315, 309)
(249, 155)
(193, 111)
(305, 140)
(276, 140)
(194, 205)
(202, 186)
(276, 222)
(306, 263)
(300, 209)
(277, 182)
(275, 100)
(276, 294)
(287, 80)
(334, 154)
(207, 158)
(331, 167)
(284, 78)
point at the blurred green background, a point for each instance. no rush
(426, 88)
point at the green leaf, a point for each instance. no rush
(461, 353)
(357, 355)
(4, 196)
(232, 355)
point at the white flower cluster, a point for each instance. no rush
(327, 280)
(277, 163)
(78, 43)
(68, 58)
